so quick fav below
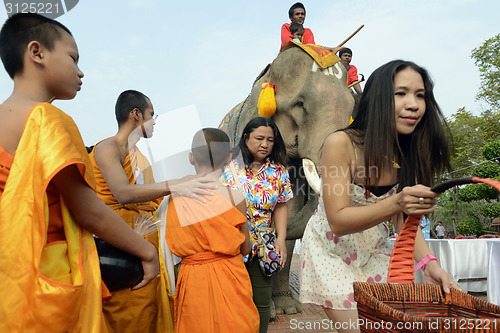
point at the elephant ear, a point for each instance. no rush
(264, 72)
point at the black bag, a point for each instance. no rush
(119, 269)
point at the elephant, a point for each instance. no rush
(311, 103)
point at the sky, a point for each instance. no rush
(198, 59)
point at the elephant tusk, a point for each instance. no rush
(311, 175)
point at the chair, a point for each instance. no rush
(488, 236)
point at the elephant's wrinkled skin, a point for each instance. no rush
(311, 104)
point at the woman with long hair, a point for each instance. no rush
(261, 171)
(380, 167)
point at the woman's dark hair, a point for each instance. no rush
(278, 154)
(422, 155)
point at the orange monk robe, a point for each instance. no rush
(148, 309)
(213, 292)
(53, 287)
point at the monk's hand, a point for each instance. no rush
(150, 265)
(434, 274)
(281, 250)
(193, 186)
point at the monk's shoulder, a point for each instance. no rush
(108, 147)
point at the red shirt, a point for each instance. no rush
(352, 74)
(286, 36)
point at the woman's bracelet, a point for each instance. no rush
(424, 262)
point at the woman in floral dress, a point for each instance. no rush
(378, 168)
(266, 185)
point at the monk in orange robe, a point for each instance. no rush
(49, 265)
(126, 184)
(213, 291)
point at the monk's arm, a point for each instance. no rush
(246, 246)
(107, 157)
(94, 216)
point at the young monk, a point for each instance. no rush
(213, 292)
(125, 183)
(49, 265)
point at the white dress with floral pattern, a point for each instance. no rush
(330, 264)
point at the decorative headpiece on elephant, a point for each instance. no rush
(311, 103)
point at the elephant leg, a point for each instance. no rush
(282, 295)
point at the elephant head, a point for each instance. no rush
(312, 102)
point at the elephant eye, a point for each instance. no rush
(300, 104)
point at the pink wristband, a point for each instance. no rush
(425, 261)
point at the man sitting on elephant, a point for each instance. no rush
(297, 14)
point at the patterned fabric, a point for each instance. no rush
(323, 58)
(330, 264)
(263, 191)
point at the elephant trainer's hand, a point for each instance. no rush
(281, 250)
(193, 186)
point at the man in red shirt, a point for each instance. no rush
(352, 71)
(297, 14)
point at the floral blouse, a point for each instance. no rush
(263, 191)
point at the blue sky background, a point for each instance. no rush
(204, 55)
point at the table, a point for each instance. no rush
(493, 249)
(466, 260)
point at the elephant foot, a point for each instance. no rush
(284, 303)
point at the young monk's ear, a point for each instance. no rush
(35, 52)
(191, 159)
(135, 113)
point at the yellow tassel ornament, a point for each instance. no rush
(267, 100)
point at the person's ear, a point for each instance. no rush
(192, 161)
(135, 112)
(35, 52)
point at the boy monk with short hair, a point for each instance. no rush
(126, 184)
(213, 292)
(49, 267)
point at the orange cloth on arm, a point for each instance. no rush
(148, 309)
(213, 292)
(46, 287)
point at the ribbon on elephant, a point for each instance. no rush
(323, 57)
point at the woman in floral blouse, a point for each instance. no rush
(266, 186)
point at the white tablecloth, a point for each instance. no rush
(466, 260)
(493, 246)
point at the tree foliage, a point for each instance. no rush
(491, 210)
(487, 59)
(470, 134)
(471, 225)
(491, 151)
(476, 151)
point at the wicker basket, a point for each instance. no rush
(402, 306)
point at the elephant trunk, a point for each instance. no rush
(297, 223)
